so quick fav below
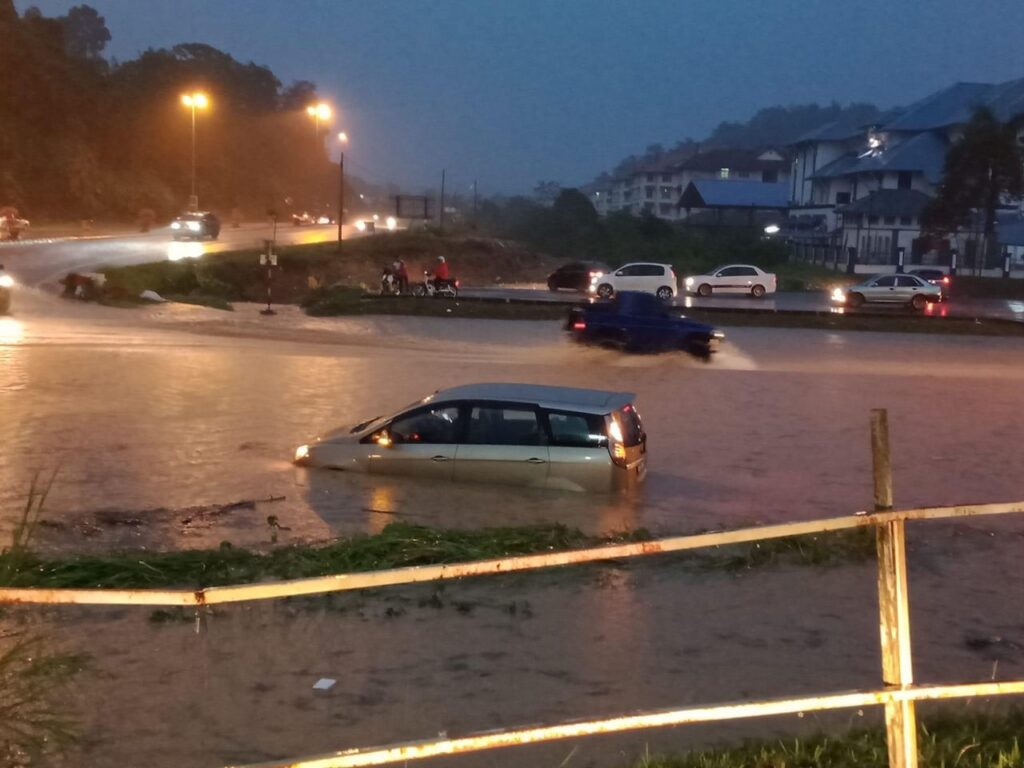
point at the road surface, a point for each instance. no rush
(38, 262)
(148, 413)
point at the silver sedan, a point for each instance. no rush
(889, 289)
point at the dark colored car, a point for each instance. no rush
(577, 275)
(640, 322)
(196, 226)
(935, 277)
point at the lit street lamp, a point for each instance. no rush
(194, 101)
(342, 140)
(319, 112)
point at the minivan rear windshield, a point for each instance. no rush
(632, 427)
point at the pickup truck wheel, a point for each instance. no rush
(757, 291)
(704, 290)
(664, 293)
(605, 291)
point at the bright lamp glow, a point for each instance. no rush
(361, 225)
(197, 100)
(771, 229)
(6, 281)
(391, 223)
(343, 138)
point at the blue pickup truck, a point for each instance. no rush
(640, 322)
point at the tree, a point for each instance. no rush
(299, 95)
(982, 167)
(85, 32)
(547, 191)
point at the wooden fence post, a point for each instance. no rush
(893, 605)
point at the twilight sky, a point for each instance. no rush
(513, 91)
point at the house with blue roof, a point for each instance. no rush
(858, 191)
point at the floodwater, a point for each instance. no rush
(146, 416)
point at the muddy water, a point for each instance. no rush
(186, 407)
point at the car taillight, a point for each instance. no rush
(945, 280)
(618, 452)
(456, 283)
(579, 325)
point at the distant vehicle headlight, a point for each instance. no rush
(838, 294)
(323, 220)
(301, 453)
(6, 281)
(391, 222)
(361, 225)
(175, 225)
(193, 226)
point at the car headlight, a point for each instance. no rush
(301, 453)
(193, 226)
(838, 294)
(689, 282)
(6, 281)
(175, 225)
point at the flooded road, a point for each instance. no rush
(144, 414)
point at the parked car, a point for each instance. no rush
(658, 279)
(577, 275)
(935, 277)
(640, 322)
(512, 434)
(733, 278)
(889, 289)
(195, 226)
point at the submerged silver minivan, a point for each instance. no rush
(513, 434)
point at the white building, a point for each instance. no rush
(656, 188)
(858, 191)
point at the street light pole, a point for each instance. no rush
(194, 101)
(343, 140)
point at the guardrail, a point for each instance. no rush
(898, 694)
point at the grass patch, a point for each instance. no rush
(945, 741)
(398, 545)
(340, 301)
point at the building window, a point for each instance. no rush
(666, 177)
(904, 180)
(890, 220)
(723, 173)
(770, 176)
(906, 220)
(872, 220)
(649, 192)
(842, 198)
(650, 177)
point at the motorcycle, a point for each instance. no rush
(433, 287)
(6, 284)
(389, 283)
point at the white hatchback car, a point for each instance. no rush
(658, 279)
(734, 278)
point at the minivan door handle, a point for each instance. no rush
(441, 458)
(535, 460)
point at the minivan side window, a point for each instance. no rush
(430, 425)
(577, 430)
(500, 425)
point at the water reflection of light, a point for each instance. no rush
(382, 508)
(936, 310)
(688, 302)
(177, 251)
(11, 331)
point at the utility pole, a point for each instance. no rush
(341, 194)
(440, 221)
